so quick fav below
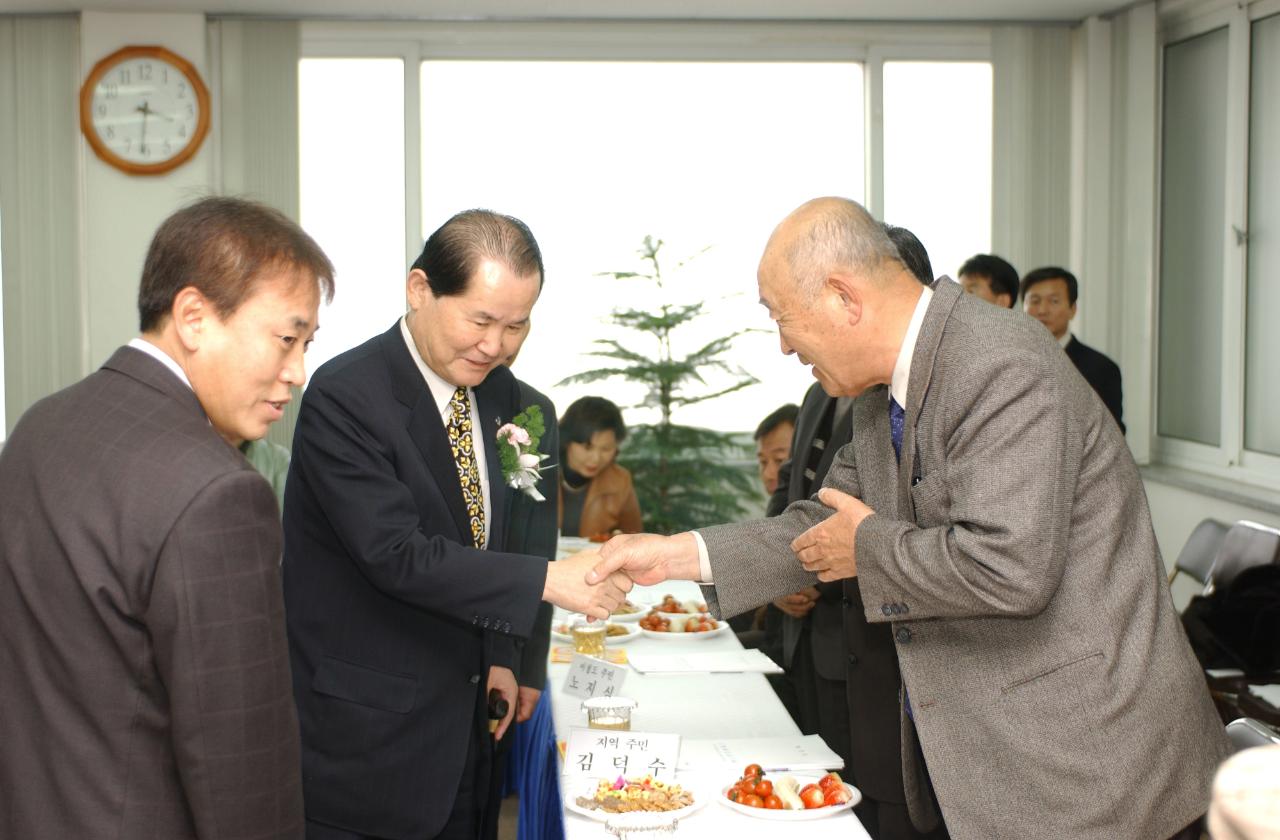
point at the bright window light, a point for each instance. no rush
(937, 156)
(351, 150)
(594, 156)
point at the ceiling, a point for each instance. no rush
(866, 10)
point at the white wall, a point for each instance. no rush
(121, 212)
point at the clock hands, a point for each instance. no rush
(145, 110)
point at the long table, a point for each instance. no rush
(697, 706)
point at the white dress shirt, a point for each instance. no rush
(442, 392)
(1065, 340)
(162, 357)
(898, 385)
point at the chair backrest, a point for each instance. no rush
(1246, 544)
(1196, 557)
(1247, 732)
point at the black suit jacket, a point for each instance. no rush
(1101, 373)
(534, 531)
(393, 619)
(844, 645)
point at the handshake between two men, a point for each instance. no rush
(827, 550)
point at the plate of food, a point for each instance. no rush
(672, 605)
(788, 798)
(630, 611)
(604, 800)
(614, 634)
(675, 626)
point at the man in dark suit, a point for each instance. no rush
(1049, 295)
(145, 687)
(532, 530)
(403, 612)
(848, 669)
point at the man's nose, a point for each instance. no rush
(787, 349)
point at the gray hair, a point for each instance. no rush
(835, 234)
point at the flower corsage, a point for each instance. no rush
(518, 450)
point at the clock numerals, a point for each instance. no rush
(125, 77)
(144, 72)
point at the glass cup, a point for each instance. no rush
(588, 636)
(609, 712)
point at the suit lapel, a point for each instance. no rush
(873, 445)
(815, 404)
(945, 295)
(425, 427)
(840, 430)
(136, 364)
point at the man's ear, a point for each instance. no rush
(1004, 300)
(847, 294)
(416, 288)
(190, 314)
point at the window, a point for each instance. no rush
(351, 160)
(1262, 304)
(1218, 398)
(937, 156)
(594, 156)
(597, 135)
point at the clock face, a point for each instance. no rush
(147, 110)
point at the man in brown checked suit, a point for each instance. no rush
(144, 675)
(1047, 688)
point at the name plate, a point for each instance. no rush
(591, 677)
(607, 754)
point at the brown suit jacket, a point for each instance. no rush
(145, 678)
(1053, 690)
(610, 505)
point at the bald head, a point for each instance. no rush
(830, 235)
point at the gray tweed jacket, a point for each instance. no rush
(1053, 691)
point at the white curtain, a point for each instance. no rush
(44, 329)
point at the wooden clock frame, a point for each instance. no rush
(86, 110)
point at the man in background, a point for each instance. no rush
(1028, 654)
(146, 682)
(1049, 295)
(403, 609)
(990, 278)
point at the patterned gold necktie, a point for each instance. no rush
(461, 443)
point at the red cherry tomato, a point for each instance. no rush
(829, 781)
(764, 789)
(753, 801)
(836, 796)
(812, 796)
(753, 770)
(773, 803)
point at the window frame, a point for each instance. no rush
(1229, 459)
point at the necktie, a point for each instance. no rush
(897, 419)
(462, 445)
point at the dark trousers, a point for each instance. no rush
(465, 818)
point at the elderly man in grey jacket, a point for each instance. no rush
(1046, 679)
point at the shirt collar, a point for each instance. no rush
(441, 391)
(162, 357)
(902, 369)
(1065, 340)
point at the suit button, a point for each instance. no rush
(853, 660)
(846, 602)
(886, 609)
(903, 635)
(895, 609)
(905, 609)
(475, 679)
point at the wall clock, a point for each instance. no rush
(144, 110)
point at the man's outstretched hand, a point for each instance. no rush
(567, 586)
(648, 558)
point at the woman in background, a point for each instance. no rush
(596, 495)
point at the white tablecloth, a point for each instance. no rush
(701, 706)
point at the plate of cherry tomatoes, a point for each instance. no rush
(784, 797)
(671, 626)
